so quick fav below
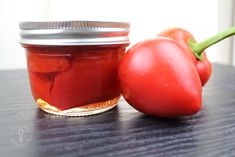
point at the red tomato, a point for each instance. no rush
(158, 78)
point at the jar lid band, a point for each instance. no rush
(74, 33)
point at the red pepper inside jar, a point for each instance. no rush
(73, 65)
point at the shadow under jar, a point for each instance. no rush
(73, 65)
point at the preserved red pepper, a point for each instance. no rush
(78, 78)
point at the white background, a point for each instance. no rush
(147, 17)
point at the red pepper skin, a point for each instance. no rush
(182, 37)
(159, 78)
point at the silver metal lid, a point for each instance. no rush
(74, 33)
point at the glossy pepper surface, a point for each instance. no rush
(183, 37)
(164, 76)
(196, 50)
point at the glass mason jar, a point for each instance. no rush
(73, 65)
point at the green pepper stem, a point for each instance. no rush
(198, 48)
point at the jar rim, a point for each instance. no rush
(74, 32)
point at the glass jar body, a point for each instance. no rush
(74, 80)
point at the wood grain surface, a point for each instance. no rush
(27, 131)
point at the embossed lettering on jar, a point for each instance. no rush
(73, 65)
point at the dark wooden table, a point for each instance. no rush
(28, 131)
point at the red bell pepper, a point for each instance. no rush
(196, 50)
(164, 76)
